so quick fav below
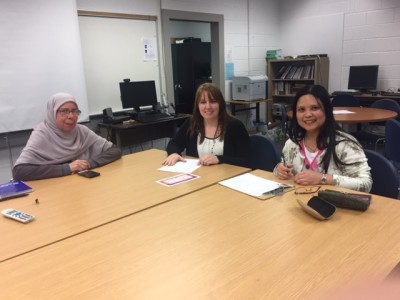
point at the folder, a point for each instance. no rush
(14, 189)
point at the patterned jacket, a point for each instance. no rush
(356, 176)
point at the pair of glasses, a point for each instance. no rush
(306, 190)
(65, 112)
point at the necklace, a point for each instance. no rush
(212, 147)
(213, 141)
(311, 149)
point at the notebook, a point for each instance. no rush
(14, 189)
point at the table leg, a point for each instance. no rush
(233, 109)
(258, 113)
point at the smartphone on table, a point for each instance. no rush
(88, 173)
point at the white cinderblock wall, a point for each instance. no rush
(371, 34)
(370, 31)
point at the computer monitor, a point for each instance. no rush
(137, 94)
(363, 78)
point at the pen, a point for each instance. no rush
(284, 160)
(277, 192)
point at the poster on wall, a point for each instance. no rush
(149, 49)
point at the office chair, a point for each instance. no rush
(344, 100)
(384, 175)
(264, 155)
(374, 133)
(392, 142)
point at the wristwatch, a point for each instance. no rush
(324, 180)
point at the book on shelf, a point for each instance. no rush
(295, 72)
(282, 70)
(297, 87)
(291, 73)
(307, 72)
(304, 73)
(283, 88)
(14, 189)
(285, 74)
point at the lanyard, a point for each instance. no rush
(313, 166)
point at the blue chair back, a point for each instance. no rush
(264, 155)
(392, 142)
(373, 133)
(388, 104)
(384, 175)
(345, 100)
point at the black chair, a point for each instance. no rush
(374, 133)
(392, 142)
(344, 100)
(264, 155)
(384, 175)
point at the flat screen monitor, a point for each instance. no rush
(363, 78)
(137, 94)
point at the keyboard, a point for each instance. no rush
(390, 94)
(153, 117)
(335, 93)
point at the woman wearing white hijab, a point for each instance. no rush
(59, 146)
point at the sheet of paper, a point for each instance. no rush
(182, 167)
(342, 112)
(251, 184)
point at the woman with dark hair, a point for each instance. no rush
(210, 133)
(318, 151)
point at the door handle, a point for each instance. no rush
(178, 86)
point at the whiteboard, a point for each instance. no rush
(113, 50)
(40, 55)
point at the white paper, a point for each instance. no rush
(149, 49)
(342, 112)
(182, 167)
(251, 184)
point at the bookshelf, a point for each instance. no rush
(287, 76)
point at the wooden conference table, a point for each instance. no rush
(74, 204)
(360, 115)
(215, 243)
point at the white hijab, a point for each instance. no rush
(48, 145)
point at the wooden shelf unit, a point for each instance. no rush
(287, 76)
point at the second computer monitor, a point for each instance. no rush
(137, 94)
(363, 78)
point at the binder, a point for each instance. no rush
(14, 189)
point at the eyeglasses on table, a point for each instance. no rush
(306, 190)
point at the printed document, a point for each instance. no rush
(252, 185)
